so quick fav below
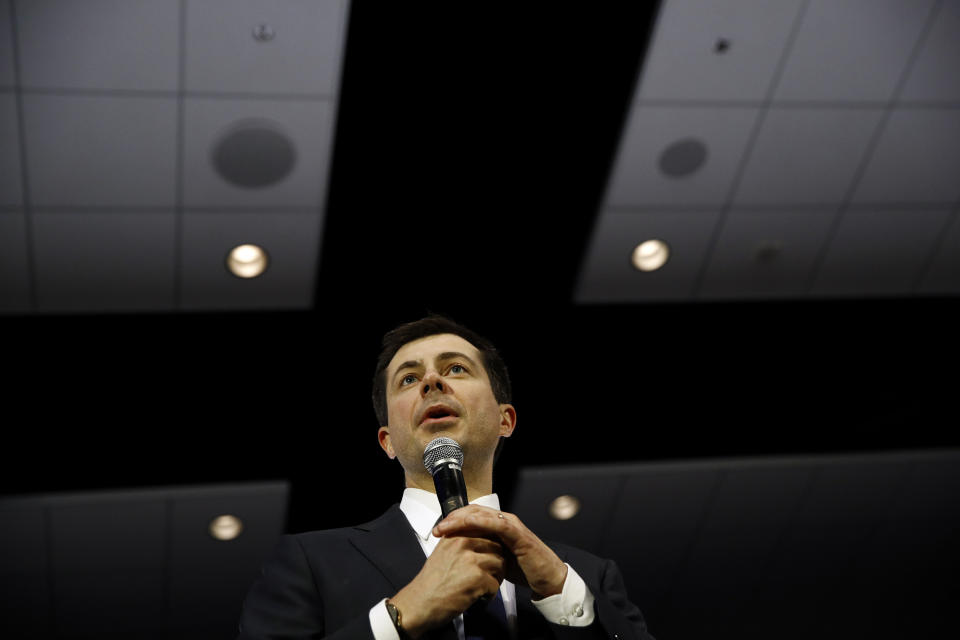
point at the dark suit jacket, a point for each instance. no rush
(323, 583)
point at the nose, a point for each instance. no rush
(432, 381)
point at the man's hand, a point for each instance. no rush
(529, 560)
(460, 570)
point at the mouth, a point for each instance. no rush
(438, 413)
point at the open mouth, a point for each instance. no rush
(436, 414)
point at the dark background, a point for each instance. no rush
(466, 175)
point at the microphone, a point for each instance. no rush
(443, 458)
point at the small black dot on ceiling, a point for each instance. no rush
(683, 158)
(721, 45)
(254, 154)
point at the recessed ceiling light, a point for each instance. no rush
(650, 255)
(225, 527)
(564, 507)
(247, 261)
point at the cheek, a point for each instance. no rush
(398, 411)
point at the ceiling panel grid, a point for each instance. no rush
(149, 553)
(135, 116)
(814, 141)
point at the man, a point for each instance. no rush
(479, 572)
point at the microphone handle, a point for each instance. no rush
(451, 489)
(452, 493)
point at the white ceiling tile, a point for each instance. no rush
(806, 156)
(637, 178)
(100, 151)
(11, 192)
(943, 274)
(853, 50)
(99, 44)
(292, 243)
(6, 45)
(303, 56)
(682, 63)
(934, 76)
(766, 253)
(307, 125)
(104, 261)
(879, 252)
(14, 265)
(917, 159)
(608, 275)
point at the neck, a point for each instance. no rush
(479, 482)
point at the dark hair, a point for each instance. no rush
(433, 325)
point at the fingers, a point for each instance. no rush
(489, 554)
(475, 520)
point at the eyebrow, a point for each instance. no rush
(446, 355)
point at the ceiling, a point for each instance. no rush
(498, 166)
(777, 152)
(789, 149)
(773, 547)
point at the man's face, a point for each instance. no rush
(437, 386)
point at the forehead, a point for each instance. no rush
(427, 349)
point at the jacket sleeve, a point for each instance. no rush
(616, 616)
(285, 602)
(620, 618)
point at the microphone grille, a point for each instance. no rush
(442, 449)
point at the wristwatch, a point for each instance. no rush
(397, 619)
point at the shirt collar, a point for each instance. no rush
(422, 509)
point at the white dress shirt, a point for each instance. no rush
(573, 606)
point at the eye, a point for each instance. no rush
(408, 379)
(457, 369)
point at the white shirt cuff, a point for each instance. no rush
(573, 606)
(381, 623)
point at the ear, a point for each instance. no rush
(508, 420)
(383, 437)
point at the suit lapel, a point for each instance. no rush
(390, 544)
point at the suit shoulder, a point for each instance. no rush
(309, 539)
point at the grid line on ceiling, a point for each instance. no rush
(776, 549)
(937, 245)
(748, 149)
(153, 208)
(676, 577)
(868, 153)
(803, 206)
(700, 103)
(24, 177)
(607, 525)
(896, 497)
(50, 574)
(158, 93)
(178, 162)
(166, 601)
